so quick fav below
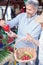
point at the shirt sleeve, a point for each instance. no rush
(13, 22)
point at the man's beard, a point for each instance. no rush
(29, 15)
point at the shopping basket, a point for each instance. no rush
(20, 52)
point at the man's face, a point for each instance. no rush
(31, 10)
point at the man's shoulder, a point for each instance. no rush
(22, 14)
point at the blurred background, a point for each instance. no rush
(15, 7)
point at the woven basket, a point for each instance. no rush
(20, 52)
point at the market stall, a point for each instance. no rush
(6, 51)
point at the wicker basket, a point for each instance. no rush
(20, 52)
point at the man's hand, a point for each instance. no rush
(28, 38)
(2, 23)
(31, 39)
(12, 34)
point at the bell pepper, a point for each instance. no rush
(6, 28)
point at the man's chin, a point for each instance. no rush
(29, 15)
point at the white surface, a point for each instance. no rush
(41, 48)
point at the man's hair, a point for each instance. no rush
(36, 4)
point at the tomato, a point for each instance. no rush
(6, 28)
(25, 57)
(10, 39)
(10, 49)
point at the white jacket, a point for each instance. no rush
(41, 48)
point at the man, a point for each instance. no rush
(40, 20)
(25, 21)
(40, 42)
(26, 24)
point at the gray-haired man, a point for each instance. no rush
(26, 25)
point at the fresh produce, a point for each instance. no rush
(6, 28)
(5, 38)
(10, 39)
(1, 57)
(26, 57)
(2, 31)
(10, 48)
(3, 54)
(30, 55)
